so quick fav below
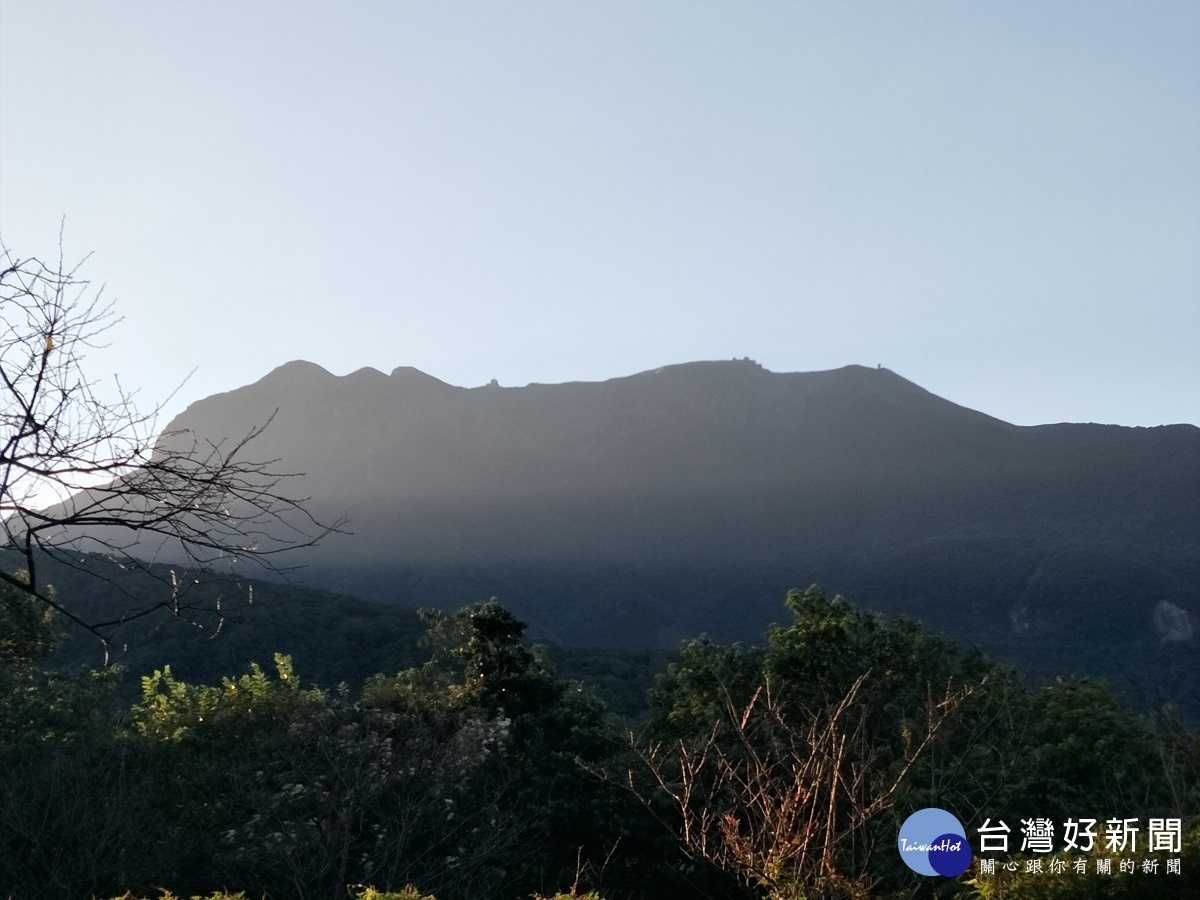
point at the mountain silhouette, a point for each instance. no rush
(641, 510)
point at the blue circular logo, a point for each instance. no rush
(933, 842)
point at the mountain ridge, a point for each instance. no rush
(700, 491)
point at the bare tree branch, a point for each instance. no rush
(81, 468)
(773, 795)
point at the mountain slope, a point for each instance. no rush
(637, 511)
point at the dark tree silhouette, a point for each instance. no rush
(81, 467)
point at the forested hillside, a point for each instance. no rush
(777, 771)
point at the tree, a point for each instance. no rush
(81, 468)
(555, 736)
(77, 810)
(779, 763)
(794, 765)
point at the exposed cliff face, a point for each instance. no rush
(854, 476)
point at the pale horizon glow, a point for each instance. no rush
(998, 202)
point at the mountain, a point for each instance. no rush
(642, 510)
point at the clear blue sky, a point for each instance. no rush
(999, 201)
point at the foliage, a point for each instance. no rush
(30, 629)
(298, 791)
(737, 736)
(235, 710)
(75, 800)
(364, 892)
(408, 893)
(479, 666)
(779, 760)
(461, 775)
(482, 773)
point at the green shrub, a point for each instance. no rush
(409, 893)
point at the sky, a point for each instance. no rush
(998, 201)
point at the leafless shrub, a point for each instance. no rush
(775, 796)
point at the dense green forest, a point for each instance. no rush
(460, 762)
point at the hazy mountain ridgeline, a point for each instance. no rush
(641, 510)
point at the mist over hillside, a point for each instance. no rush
(642, 510)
